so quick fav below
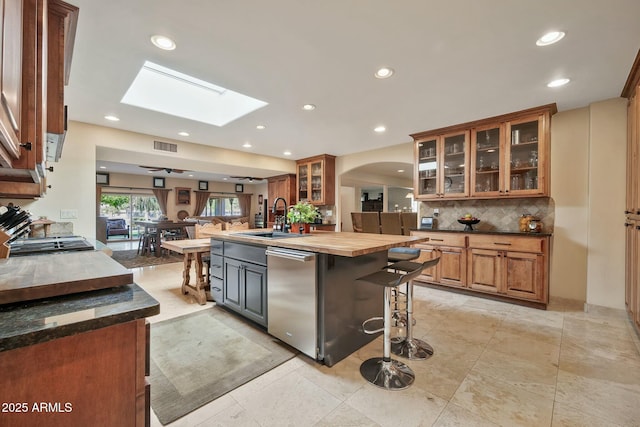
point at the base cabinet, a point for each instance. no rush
(238, 284)
(95, 378)
(510, 266)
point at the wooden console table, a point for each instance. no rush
(192, 249)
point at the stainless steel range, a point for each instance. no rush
(49, 244)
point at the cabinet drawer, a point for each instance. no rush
(215, 266)
(216, 247)
(441, 239)
(216, 289)
(507, 243)
(254, 254)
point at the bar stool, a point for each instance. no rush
(410, 347)
(384, 371)
(395, 255)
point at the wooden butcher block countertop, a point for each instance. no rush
(42, 276)
(335, 243)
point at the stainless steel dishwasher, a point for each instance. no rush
(292, 298)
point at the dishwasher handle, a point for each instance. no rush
(291, 255)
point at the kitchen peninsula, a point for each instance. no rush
(312, 298)
(73, 341)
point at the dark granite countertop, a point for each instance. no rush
(499, 232)
(28, 323)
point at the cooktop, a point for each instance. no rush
(49, 244)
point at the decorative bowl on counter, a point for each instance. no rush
(468, 222)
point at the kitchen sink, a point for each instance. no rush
(271, 234)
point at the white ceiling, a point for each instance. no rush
(454, 61)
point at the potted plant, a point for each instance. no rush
(301, 215)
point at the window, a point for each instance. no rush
(130, 207)
(222, 206)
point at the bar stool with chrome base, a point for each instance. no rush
(398, 317)
(410, 347)
(384, 371)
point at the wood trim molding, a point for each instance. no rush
(633, 80)
(551, 108)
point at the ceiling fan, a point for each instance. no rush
(250, 178)
(167, 170)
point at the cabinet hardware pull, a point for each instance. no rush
(50, 168)
(215, 288)
(627, 212)
(438, 240)
(26, 146)
(638, 212)
(503, 244)
(626, 224)
(637, 227)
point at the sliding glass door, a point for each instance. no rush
(131, 207)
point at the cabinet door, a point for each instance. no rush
(485, 270)
(524, 275)
(452, 268)
(317, 182)
(453, 173)
(10, 80)
(303, 182)
(427, 253)
(524, 161)
(255, 292)
(486, 149)
(232, 294)
(427, 155)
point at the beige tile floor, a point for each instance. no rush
(495, 364)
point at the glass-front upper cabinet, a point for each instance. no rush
(486, 160)
(316, 180)
(524, 165)
(427, 165)
(442, 165)
(303, 182)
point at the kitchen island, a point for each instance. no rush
(74, 348)
(328, 297)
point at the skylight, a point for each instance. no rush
(168, 91)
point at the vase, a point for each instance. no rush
(295, 228)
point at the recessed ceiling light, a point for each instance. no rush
(149, 171)
(400, 170)
(384, 73)
(308, 107)
(550, 38)
(163, 42)
(224, 179)
(558, 82)
(183, 133)
(246, 145)
(287, 153)
(112, 118)
(379, 129)
(260, 127)
(103, 167)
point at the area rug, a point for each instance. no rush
(198, 357)
(131, 259)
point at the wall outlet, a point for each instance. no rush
(436, 212)
(68, 213)
(329, 212)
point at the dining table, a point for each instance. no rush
(192, 249)
(156, 228)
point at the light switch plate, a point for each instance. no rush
(68, 214)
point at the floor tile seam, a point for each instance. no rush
(587, 412)
(337, 408)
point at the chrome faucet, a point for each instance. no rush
(274, 210)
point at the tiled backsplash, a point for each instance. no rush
(494, 215)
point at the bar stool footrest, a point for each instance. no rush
(372, 331)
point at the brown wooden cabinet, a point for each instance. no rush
(48, 31)
(280, 186)
(94, 378)
(503, 156)
(632, 204)
(510, 266)
(10, 80)
(451, 270)
(316, 180)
